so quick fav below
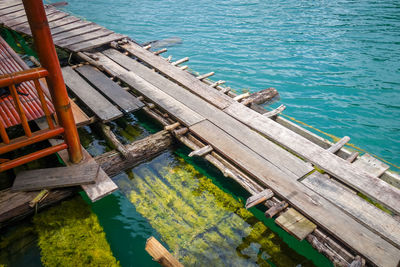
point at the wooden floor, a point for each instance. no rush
(69, 32)
(275, 156)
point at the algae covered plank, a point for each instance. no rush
(112, 90)
(270, 151)
(339, 168)
(56, 177)
(312, 205)
(182, 77)
(375, 219)
(295, 223)
(166, 102)
(93, 99)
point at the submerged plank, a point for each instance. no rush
(160, 253)
(270, 151)
(339, 168)
(93, 99)
(295, 223)
(113, 91)
(56, 177)
(181, 112)
(375, 219)
(182, 77)
(312, 205)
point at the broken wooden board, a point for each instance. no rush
(258, 198)
(182, 77)
(321, 211)
(49, 178)
(103, 185)
(371, 165)
(160, 253)
(295, 223)
(365, 213)
(371, 186)
(93, 99)
(126, 101)
(270, 151)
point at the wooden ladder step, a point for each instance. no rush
(56, 177)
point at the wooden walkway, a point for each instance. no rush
(68, 32)
(277, 156)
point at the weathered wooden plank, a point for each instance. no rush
(258, 198)
(86, 28)
(339, 168)
(12, 13)
(375, 219)
(101, 32)
(60, 28)
(295, 223)
(80, 117)
(371, 165)
(181, 112)
(83, 46)
(7, 4)
(113, 91)
(56, 177)
(161, 254)
(338, 145)
(51, 13)
(182, 77)
(261, 145)
(312, 205)
(93, 99)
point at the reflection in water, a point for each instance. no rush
(199, 222)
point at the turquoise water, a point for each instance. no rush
(336, 64)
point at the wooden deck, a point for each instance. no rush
(276, 155)
(69, 32)
(273, 155)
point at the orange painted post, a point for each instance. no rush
(48, 58)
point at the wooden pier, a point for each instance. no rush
(312, 187)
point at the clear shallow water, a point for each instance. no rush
(336, 64)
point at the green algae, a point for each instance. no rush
(199, 222)
(69, 234)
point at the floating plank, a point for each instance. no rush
(339, 168)
(56, 177)
(371, 165)
(85, 28)
(93, 99)
(375, 219)
(182, 77)
(295, 223)
(258, 198)
(160, 253)
(312, 205)
(95, 43)
(181, 112)
(113, 91)
(264, 147)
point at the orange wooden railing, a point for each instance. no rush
(52, 73)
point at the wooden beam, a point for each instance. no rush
(201, 152)
(338, 145)
(274, 112)
(161, 254)
(258, 198)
